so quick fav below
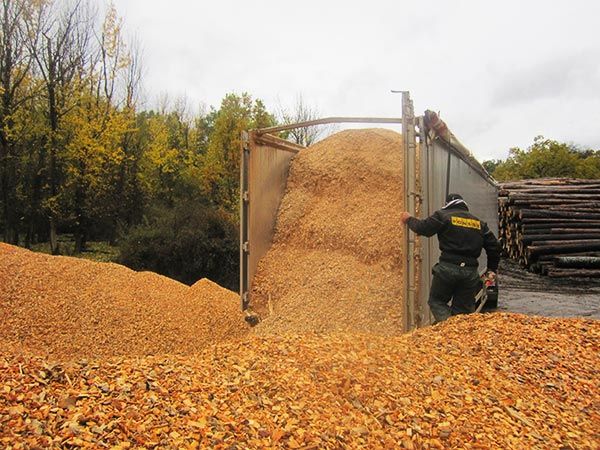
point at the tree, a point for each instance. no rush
(589, 167)
(32, 138)
(60, 50)
(186, 243)
(15, 61)
(202, 128)
(162, 161)
(490, 165)
(301, 112)
(93, 159)
(94, 153)
(545, 158)
(221, 166)
(128, 197)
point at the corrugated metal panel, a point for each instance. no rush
(268, 162)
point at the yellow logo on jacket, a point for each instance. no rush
(466, 223)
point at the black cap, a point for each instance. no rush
(451, 197)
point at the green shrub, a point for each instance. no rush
(186, 243)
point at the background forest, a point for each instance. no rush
(84, 162)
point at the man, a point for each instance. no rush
(461, 236)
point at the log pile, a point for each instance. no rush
(552, 225)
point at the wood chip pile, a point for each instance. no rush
(68, 307)
(552, 226)
(336, 259)
(474, 382)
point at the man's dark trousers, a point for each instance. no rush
(452, 281)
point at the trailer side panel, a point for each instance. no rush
(266, 169)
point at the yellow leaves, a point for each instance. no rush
(160, 160)
(111, 32)
(94, 152)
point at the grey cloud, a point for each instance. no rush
(573, 75)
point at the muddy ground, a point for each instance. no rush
(529, 293)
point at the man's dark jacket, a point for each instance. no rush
(461, 235)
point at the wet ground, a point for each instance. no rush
(529, 293)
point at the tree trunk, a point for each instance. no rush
(29, 234)
(54, 247)
(582, 262)
(582, 273)
(541, 213)
(548, 249)
(9, 196)
(80, 234)
(528, 238)
(52, 173)
(79, 242)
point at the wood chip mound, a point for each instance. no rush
(474, 382)
(337, 254)
(67, 307)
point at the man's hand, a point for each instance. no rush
(404, 216)
(490, 276)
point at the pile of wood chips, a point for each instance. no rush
(336, 259)
(67, 307)
(481, 381)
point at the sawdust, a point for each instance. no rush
(337, 254)
(67, 307)
(473, 382)
(94, 355)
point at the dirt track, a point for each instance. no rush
(528, 293)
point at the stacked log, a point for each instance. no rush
(552, 225)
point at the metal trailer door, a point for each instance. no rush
(264, 168)
(265, 162)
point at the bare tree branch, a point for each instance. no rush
(301, 112)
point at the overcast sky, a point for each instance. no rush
(500, 72)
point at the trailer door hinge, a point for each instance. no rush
(246, 141)
(245, 196)
(417, 196)
(246, 247)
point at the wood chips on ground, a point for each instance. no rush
(336, 259)
(474, 382)
(69, 307)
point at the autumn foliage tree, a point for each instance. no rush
(546, 158)
(221, 164)
(15, 88)
(79, 157)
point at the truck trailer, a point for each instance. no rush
(435, 164)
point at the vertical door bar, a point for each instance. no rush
(408, 133)
(425, 245)
(244, 222)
